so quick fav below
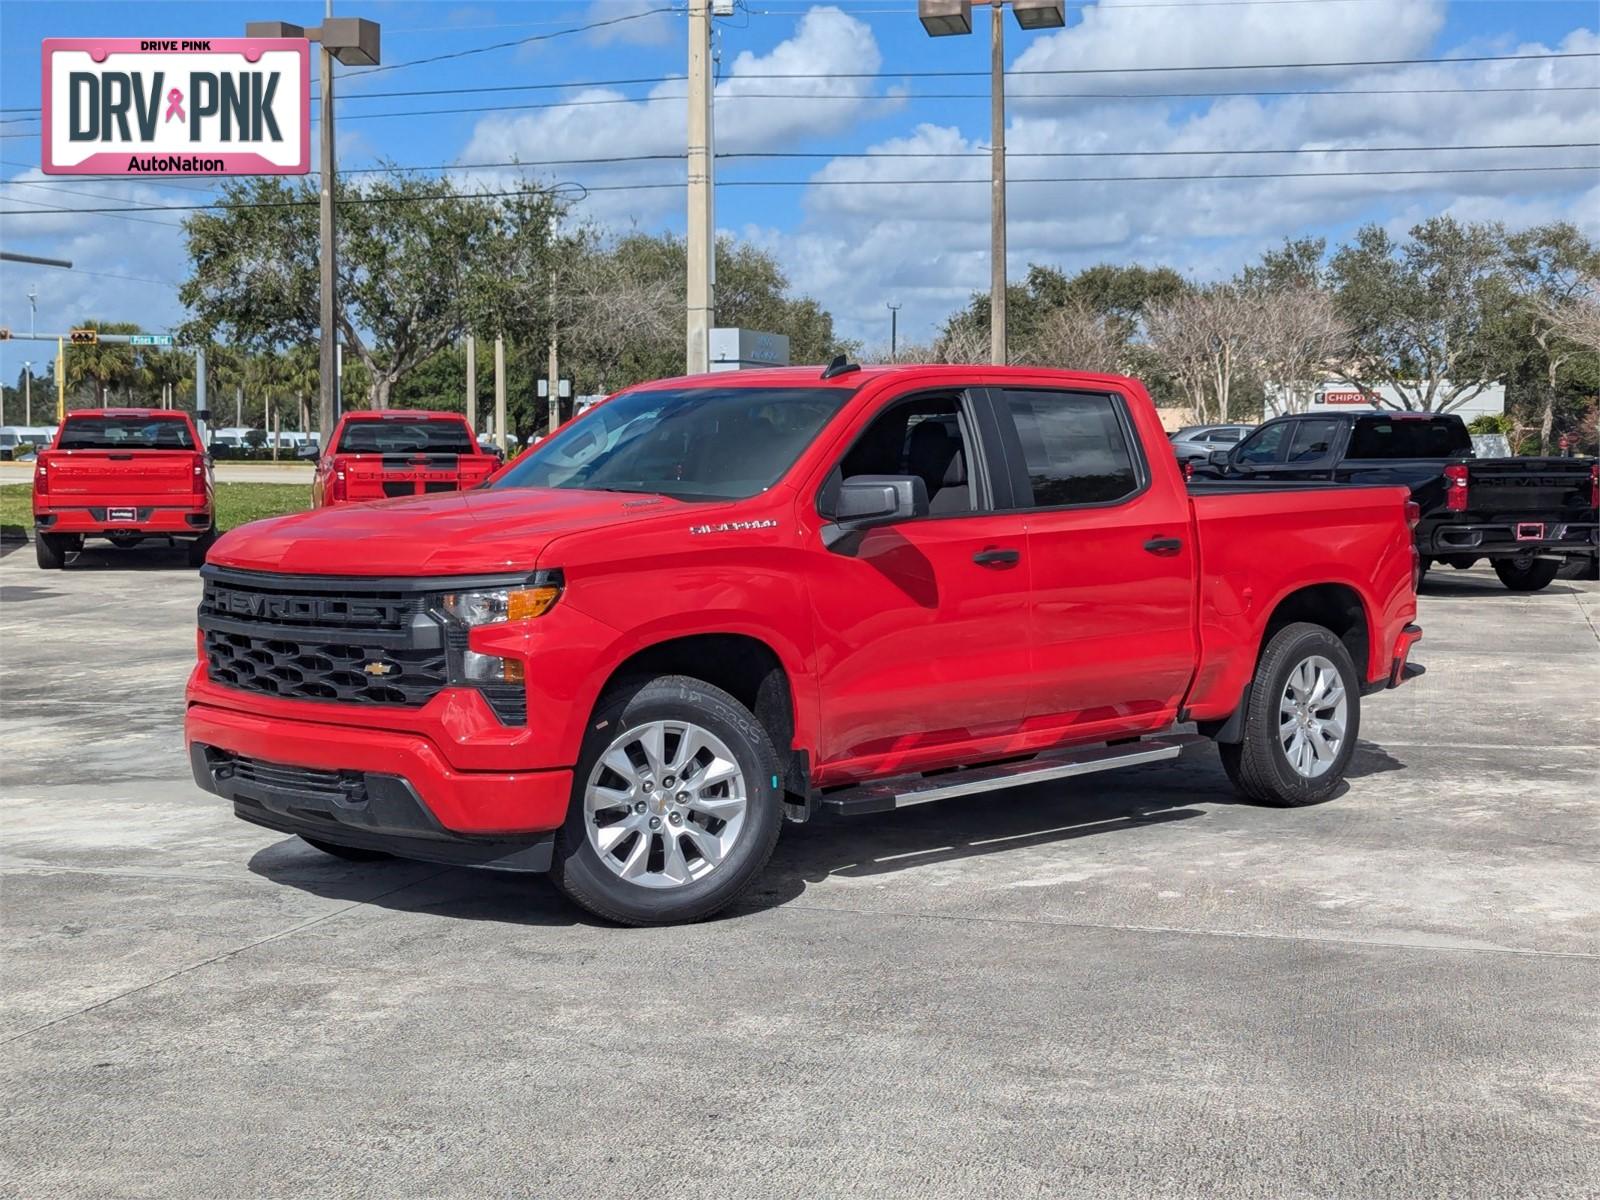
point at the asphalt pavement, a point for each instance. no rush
(1126, 985)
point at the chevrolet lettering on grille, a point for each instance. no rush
(317, 609)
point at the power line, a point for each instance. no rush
(537, 37)
(115, 214)
(585, 189)
(1014, 74)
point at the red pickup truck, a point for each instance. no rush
(712, 603)
(383, 455)
(125, 474)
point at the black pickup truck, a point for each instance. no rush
(1525, 515)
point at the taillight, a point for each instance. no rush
(41, 480)
(1594, 485)
(1455, 487)
(199, 474)
(1413, 515)
(1188, 469)
(338, 489)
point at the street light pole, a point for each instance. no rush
(701, 240)
(942, 18)
(354, 41)
(894, 331)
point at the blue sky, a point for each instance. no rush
(856, 248)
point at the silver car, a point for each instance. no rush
(1194, 443)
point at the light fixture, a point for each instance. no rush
(1040, 14)
(944, 18)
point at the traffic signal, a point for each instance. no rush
(85, 337)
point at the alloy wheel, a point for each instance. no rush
(1312, 714)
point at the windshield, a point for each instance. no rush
(126, 433)
(425, 435)
(705, 443)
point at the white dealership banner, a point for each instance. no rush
(177, 106)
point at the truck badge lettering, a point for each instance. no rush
(733, 526)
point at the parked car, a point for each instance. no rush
(390, 453)
(12, 441)
(1522, 514)
(124, 474)
(1194, 443)
(717, 602)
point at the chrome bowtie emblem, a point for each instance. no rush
(378, 668)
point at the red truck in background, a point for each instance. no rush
(124, 474)
(714, 603)
(383, 455)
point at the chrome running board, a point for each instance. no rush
(906, 790)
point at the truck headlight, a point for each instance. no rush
(493, 606)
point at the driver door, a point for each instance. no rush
(922, 650)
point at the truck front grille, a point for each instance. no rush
(315, 670)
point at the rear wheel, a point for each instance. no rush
(675, 805)
(348, 853)
(201, 545)
(1302, 720)
(1528, 576)
(51, 549)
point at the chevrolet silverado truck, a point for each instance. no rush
(1525, 515)
(127, 475)
(398, 452)
(713, 603)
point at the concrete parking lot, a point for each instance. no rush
(1127, 985)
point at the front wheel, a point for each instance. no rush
(201, 545)
(1302, 720)
(675, 808)
(1530, 576)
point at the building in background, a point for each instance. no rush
(1335, 395)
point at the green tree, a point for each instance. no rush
(105, 366)
(419, 263)
(1553, 272)
(1427, 316)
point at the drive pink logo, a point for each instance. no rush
(169, 106)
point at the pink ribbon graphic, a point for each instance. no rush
(175, 106)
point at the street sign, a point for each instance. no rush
(85, 337)
(149, 339)
(169, 106)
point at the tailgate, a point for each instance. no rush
(120, 474)
(379, 476)
(1529, 487)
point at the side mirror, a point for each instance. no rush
(307, 450)
(1220, 459)
(203, 415)
(864, 501)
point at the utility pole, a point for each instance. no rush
(702, 216)
(500, 392)
(61, 380)
(553, 364)
(894, 331)
(997, 185)
(472, 384)
(27, 392)
(238, 405)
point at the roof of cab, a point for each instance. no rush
(812, 376)
(127, 412)
(401, 414)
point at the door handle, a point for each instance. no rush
(997, 557)
(1166, 547)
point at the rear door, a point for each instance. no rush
(922, 651)
(1112, 559)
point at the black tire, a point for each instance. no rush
(1422, 569)
(348, 853)
(51, 549)
(201, 545)
(1258, 765)
(1526, 578)
(577, 869)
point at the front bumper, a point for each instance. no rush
(119, 520)
(298, 753)
(363, 809)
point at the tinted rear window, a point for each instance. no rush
(1074, 447)
(425, 436)
(126, 433)
(1410, 437)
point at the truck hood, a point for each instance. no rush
(456, 533)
